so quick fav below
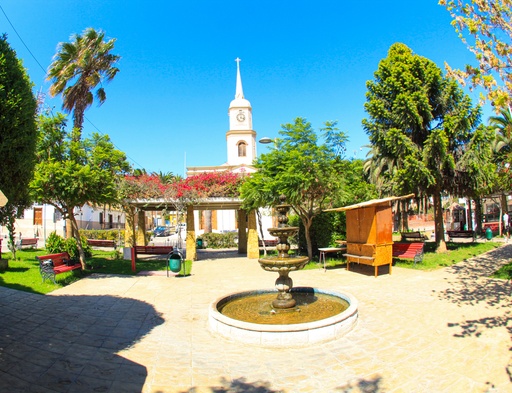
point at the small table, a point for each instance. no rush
(328, 250)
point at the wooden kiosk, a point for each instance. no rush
(370, 232)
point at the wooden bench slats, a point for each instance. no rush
(468, 234)
(409, 250)
(159, 250)
(359, 256)
(59, 265)
(101, 243)
(27, 242)
(414, 236)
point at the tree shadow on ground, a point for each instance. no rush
(471, 285)
(241, 385)
(62, 343)
(371, 385)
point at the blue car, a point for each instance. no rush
(162, 231)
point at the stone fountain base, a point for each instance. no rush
(292, 335)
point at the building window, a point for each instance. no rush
(242, 149)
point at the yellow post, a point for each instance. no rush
(141, 228)
(253, 249)
(129, 227)
(191, 234)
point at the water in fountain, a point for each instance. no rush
(297, 316)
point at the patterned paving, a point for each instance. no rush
(444, 331)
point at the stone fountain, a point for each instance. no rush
(283, 263)
(296, 316)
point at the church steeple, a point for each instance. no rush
(239, 90)
(241, 138)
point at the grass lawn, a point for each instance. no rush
(23, 273)
(457, 252)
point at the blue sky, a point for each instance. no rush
(167, 108)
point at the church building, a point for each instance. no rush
(241, 152)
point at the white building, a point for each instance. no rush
(40, 220)
(241, 153)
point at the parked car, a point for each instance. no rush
(162, 231)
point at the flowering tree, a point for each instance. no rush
(188, 190)
(485, 27)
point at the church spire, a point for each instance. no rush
(239, 91)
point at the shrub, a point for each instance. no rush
(103, 234)
(56, 244)
(219, 240)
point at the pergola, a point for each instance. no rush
(247, 231)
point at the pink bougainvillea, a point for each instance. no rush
(203, 185)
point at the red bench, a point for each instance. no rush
(152, 250)
(101, 243)
(53, 264)
(408, 250)
(32, 242)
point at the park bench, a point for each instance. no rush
(460, 235)
(152, 250)
(412, 236)
(409, 250)
(32, 242)
(101, 243)
(268, 242)
(52, 264)
(156, 250)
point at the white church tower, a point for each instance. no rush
(241, 138)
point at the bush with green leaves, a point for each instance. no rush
(56, 244)
(103, 234)
(219, 240)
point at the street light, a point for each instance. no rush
(265, 140)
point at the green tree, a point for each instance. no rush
(71, 172)
(78, 68)
(18, 136)
(502, 125)
(419, 125)
(486, 28)
(301, 169)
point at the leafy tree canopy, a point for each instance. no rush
(486, 28)
(306, 172)
(71, 172)
(78, 68)
(18, 135)
(420, 125)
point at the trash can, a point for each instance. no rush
(488, 233)
(175, 261)
(199, 243)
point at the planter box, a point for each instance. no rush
(186, 268)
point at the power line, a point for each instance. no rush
(23, 42)
(46, 73)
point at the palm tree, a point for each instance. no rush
(503, 126)
(78, 68)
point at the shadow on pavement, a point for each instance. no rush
(471, 285)
(69, 343)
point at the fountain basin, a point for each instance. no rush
(285, 335)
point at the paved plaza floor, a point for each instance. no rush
(449, 330)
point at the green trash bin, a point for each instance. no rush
(199, 243)
(175, 262)
(488, 233)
